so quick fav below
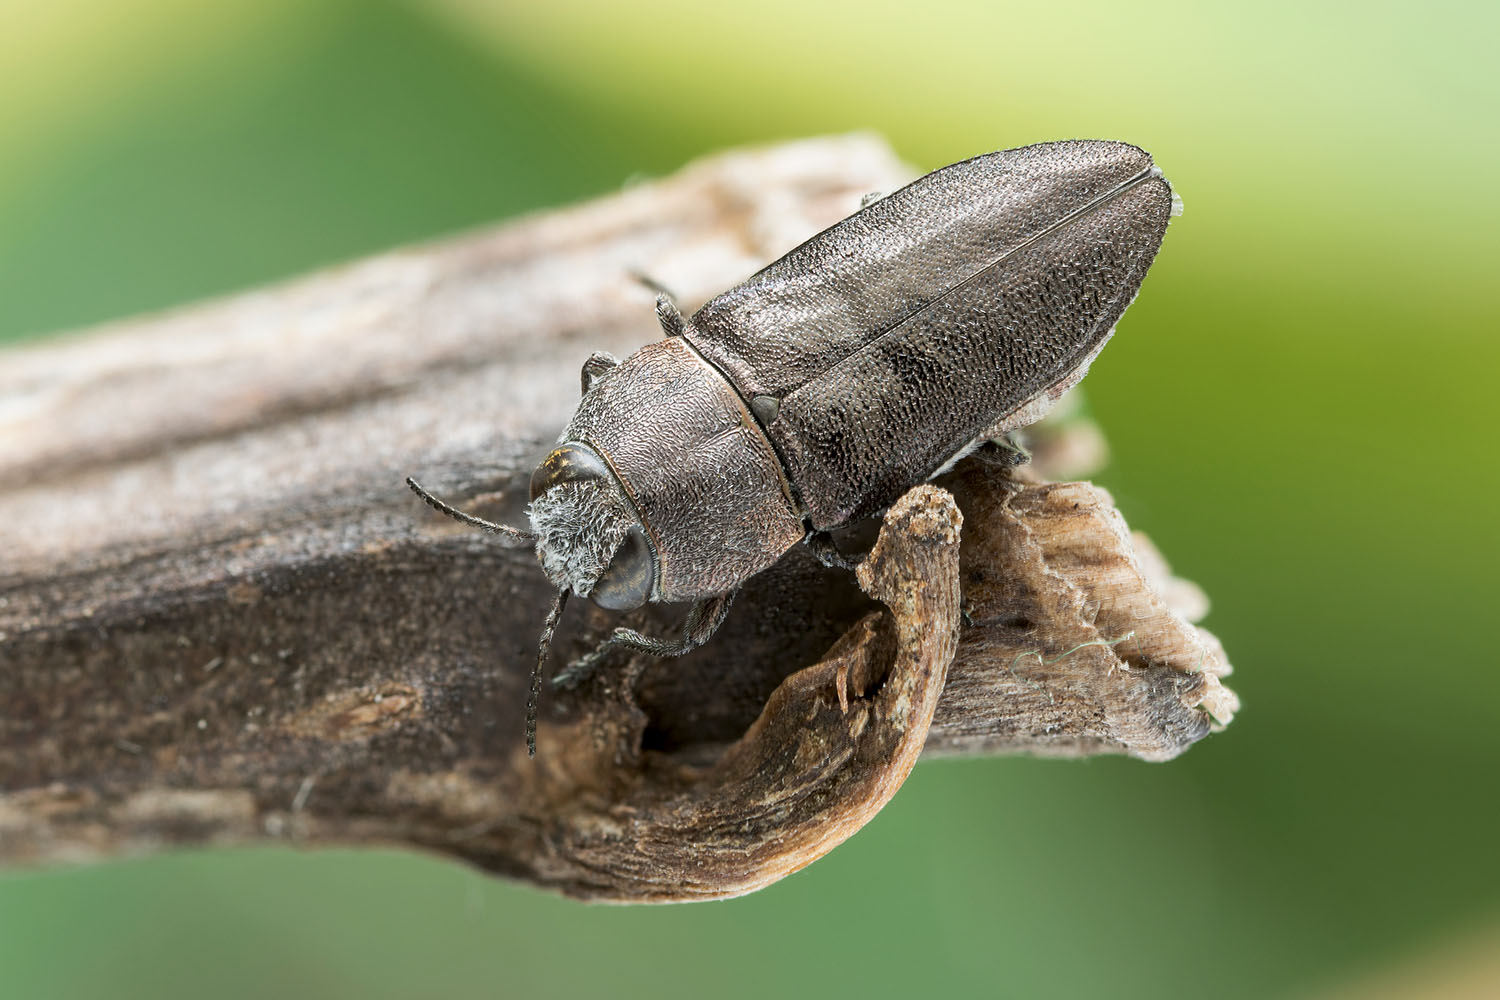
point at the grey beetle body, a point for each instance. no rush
(700, 474)
(855, 367)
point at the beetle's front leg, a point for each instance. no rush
(702, 621)
(598, 363)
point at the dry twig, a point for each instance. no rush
(223, 618)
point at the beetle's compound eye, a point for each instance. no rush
(627, 581)
(570, 462)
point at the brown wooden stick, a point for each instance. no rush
(224, 618)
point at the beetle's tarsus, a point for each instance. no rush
(581, 669)
(702, 621)
(1006, 450)
(822, 545)
(871, 198)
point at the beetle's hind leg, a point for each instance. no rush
(702, 621)
(1007, 449)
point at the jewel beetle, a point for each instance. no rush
(815, 393)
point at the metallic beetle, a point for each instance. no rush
(818, 391)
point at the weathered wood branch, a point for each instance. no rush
(223, 618)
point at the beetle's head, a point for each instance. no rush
(588, 536)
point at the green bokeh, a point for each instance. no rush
(1300, 407)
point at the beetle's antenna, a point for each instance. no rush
(548, 627)
(515, 534)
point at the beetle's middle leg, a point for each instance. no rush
(667, 313)
(669, 316)
(702, 621)
(822, 546)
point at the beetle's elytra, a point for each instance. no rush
(826, 385)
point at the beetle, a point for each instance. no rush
(815, 393)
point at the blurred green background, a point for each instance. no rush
(1297, 404)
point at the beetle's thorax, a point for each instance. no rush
(706, 483)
